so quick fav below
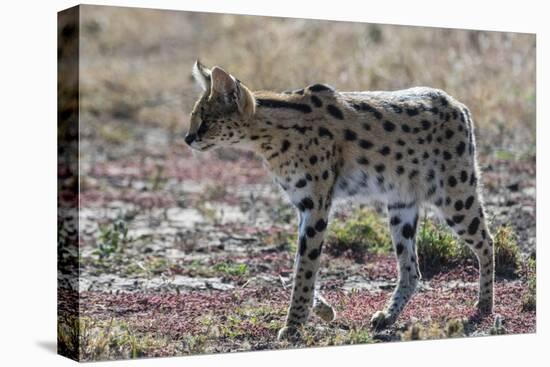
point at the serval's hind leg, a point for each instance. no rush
(403, 223)
(467, 219)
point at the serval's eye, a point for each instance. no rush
(202, 129)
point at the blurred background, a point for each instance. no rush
(193, 253)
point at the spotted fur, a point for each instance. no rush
(407, 149)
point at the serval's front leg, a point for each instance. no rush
(313, 222)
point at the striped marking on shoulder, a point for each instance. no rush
(276, 103)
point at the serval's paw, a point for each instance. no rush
(485, 306)
(380, 320)
(289, 333)
(324, 311)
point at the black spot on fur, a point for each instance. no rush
(377, 114)
(310, 231)
(425, 124)
(452, 181)
(335, 112)
(473, 179)
(285, 146)
(325, 175)
(389, 126)
(316, 101)
(365, 144)
(367, 107)
(385, 150)
(343, 184)
(474, 225)
(306, 203)
(380, 168)
(406, 128)
(458, 218)
(434, 110)
(447, 156)
(395, 108)
(400, 170)
(275, 103)
(320, 88)
(320, 225)
(463, 176)
(449, 133)
(469, 201)
(460, 148)
(308, 274)
(408, 231)
(301, 183)
(412, 111)
(313, 159)
(363, 161)
(314, 254)
(274, 155)
(459, 205)
(358, 106)
(325, 132)
(395, 220)
(399, 248)
(303, 245)
(431, 191)
(350, 135)
(401, 205)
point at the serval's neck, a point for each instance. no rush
(275, 114)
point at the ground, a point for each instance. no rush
(184, 254)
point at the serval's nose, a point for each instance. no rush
(190, 138)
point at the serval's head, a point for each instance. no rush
(221, 115)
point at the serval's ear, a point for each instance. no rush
(223, 84)
(202, 75)
(231, 90)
